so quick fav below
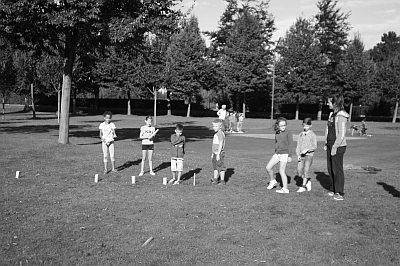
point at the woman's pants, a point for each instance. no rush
(335, 168)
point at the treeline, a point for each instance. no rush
(137, 48)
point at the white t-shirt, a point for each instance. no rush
(145, 133)
(221, 114)
(108, 131)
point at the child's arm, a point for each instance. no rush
(101, 135)
(153, 135)
(114, 132)
(298, 152)
(175, 140)
(141, 135)
(314, 142)
(220, 145)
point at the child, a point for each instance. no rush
(283, 143)
(107, 136)
(240, 122)
(223, 114)
(232, 122)
(218, 153)
(306, 145)
(147, 133)
(177, 153)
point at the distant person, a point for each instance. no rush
(147, 133)
(335, 145)
(218, 153)
(107, 136)
(283, 153)
(240, 123)
(306, 146)
(232, 122)
(222, 115)
(177, 153)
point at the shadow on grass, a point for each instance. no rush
(391, 189)
(161, 166)
(188, 175)
(35, 129)
(278, 178)
(324, 180)
(128, 164)
(298, 180)
(192, 133)
(229, 173)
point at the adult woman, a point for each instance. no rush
(335, 145)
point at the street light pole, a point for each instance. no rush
(273, 91)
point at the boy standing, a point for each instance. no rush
(177, 153)
(218, 153)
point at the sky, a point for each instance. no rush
(368, 18)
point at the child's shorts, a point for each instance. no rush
(147, 147)
(176, 164)
(218, 165)
(280, 158)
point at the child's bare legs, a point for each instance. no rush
(300, 167)
(272, 162)
(144, 153)
(179, 175)
(112, 158)
(151, 161)
(105, 155)
(282, 172)
(216, 175)
(222, 175)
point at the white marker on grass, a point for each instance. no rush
(194, 179)
(133, 179)
(164, 181)
(96, 178)
(17, 174)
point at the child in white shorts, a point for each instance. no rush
(177, 153)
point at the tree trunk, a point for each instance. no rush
(188, 110)
(155, 106)
(96, 98)
(169, 103)
(4, 108)
(351, 111)
(33, 103)
(296, 117)
(129, 111)
(396, 109)
(69, 58)
(58, 105)
(244, 105)
(73, 102)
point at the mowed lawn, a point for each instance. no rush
(55, 213)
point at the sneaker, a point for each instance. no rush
(152, 173)
(331, 194)
(222, 183)
(308, 185)
(141, 174)
(177, 182)
(214, 181)
(105, 171)
(172, 180)
(114, 170)
(301, 189)
(338, 197)
(283, 190)
(272, 184)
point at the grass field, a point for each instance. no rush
(56, 214)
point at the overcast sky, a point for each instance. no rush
(369, 18)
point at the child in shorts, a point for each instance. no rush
(107, 136)
(147, 133)
(306, 145)
(283, 144)
(218, 153)
(177, 153)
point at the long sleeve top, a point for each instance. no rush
(283, 143)
(307, 141)
(177, 146)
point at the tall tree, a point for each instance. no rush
(65, 25)
(244, 58)
(356, 72)
(386, 54)
(185, 62)
(301, 65)
(332, 28)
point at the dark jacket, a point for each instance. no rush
(177, 146)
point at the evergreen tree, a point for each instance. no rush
(185, 62)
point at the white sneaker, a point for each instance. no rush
(308, 185)
(152, 173)
(283, 190)
(272, 184)
(331, 194)
(172, 180)
(301, 189)
(141, 174)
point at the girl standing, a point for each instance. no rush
(283, 144)
(335, 145)
(147, 133)
(107, 136)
